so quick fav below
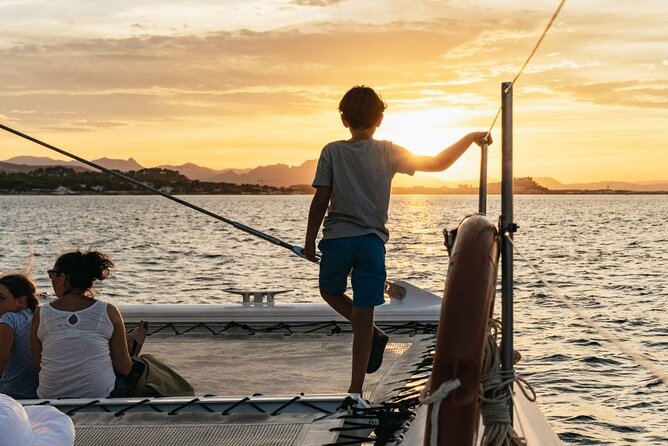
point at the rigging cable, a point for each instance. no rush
(639, 358)
(526, 62)
(295, 249)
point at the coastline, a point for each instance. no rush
(293, 192)
(59, 180)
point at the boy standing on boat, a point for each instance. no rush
(353, 181)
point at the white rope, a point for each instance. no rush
(435, 400)
(639, 358)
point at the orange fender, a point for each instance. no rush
(462, 329)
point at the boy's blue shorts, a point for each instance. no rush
(365, 256)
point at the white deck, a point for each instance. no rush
(274, 375)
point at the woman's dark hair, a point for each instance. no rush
(82, 268)
(20, 285)
(361, 107)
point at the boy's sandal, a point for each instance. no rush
(377, 351)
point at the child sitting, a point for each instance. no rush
(18, 301)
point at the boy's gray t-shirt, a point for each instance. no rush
(360, 175)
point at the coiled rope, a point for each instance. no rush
(639, 358)
(495, 392)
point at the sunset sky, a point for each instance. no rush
(245, 83)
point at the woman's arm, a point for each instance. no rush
(6, 343)
(118, 346)
(35, 343)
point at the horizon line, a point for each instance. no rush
(221, 170)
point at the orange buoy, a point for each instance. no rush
(462, 329)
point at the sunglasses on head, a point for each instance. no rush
(53, 273)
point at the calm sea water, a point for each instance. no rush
(606, 253)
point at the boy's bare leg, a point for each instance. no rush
(363, 332)
(343, 305)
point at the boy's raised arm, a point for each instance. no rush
(448, 156)
(315, 215)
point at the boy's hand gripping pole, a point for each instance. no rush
(299, 251)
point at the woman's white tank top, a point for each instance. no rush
(76, 361)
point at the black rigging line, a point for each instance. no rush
(295, 249)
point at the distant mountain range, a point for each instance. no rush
(641, 186)
(277, 175)
(44, 161)
(282, 175)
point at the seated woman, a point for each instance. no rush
(78, 342)
(18, 301)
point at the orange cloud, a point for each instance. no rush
(256, 92)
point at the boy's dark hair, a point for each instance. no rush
(82, 268)
(361, 107)
(20, 285)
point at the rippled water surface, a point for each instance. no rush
(606, 253)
